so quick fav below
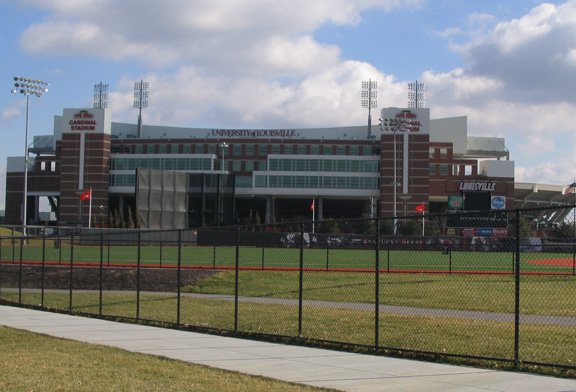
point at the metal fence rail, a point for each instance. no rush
(508, 297)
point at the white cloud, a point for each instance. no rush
(11, 112)
(255, 63)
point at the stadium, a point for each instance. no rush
(163, 177)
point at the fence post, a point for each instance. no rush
(179, 277)
(327, 253)
(59, 246)
(161, 243)
(138, 277)
(301, 280)
(574, 255)
(43, 269)
(262, 257)
(20, 271)
(236, 278)
(1, 268)
(377, 289)
(101, 272)
(517, 294)
(71, 270)
(13, 247)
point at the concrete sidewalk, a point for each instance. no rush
(311, 366)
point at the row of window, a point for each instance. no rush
(161, 163)
(244, 149)
(450, 170)
(273, 181)
(325, 165)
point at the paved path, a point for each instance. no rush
(311, 366)
(567, 321)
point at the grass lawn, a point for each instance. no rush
(35, 362)
(436, 331)
(255, 257)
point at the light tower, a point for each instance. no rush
(140, 101)
(27, 87)
(100, 96)
(369, 95)
(394, 125)
(416, 91)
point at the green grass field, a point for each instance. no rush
(35, 362)
(271, 258)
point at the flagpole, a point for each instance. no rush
(422, 223)
(90, 210)
(313, 208)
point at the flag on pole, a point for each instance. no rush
(420, 208)
(87, 195)
(312, 206)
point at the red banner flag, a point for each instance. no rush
(420, 208)
(312, 205)
(86, 195)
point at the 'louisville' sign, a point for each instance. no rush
(477, 186)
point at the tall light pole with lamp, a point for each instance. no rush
(369, 101)
(393, 125)
(27, 86)
(223, 146)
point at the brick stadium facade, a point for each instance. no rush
(277, 172)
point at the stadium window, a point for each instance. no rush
(139, 149)
(211, 149)
(340, 149)
(249, 166)
(262, 165)
(275, 149)
(366, 150)
(314, 149)
(162, 148)
(301, 149)
(313, 165)
(327, 150)
(237, 150)
(288, 149)
(260, 182)
(186, 149)
(236, 166)
(353, 150)
(262, 149)
(445, 170)
(432, 170)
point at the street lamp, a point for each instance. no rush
(394, 125)
(27, 87)
(223, 146)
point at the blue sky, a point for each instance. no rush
(509, 65)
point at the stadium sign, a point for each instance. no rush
(498, 202)
(83, 121)
(477, 186)
(86, 121)
(256, 133)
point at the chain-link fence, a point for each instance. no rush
(426, 284)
